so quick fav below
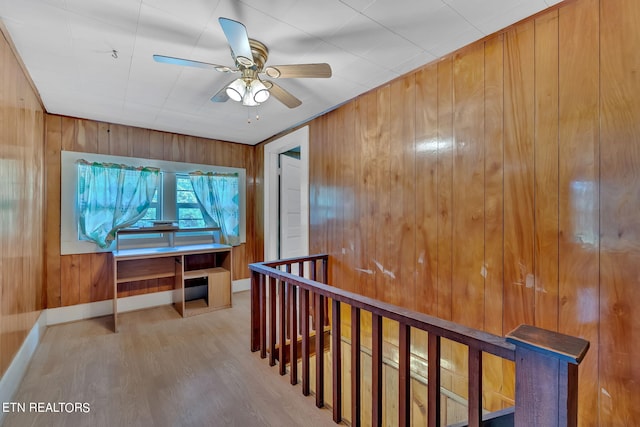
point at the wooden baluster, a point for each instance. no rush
(475, 387)
(325, 280)
(282, 309)
(325, 271)
(404, 373)
(255, 307)
(314, 267)
(263, 316)
(304, 310)
(287, 268)
(336, 353)
(272, 321)
(293, 342)
(301, 273)
(376, 366)
(355, 367)
(319, 351)
(433, 408)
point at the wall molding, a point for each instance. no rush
(55, 316)
(12, 378)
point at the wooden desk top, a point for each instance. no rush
(165, 251)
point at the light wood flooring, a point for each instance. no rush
(161, 370)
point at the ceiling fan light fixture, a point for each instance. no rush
(248, 99)
(237, 90)
(259, 91)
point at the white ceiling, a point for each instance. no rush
(67, 46)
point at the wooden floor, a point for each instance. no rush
(161, 370)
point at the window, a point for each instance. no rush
(189, 214)
(174, 200)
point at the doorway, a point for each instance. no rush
(297, 224)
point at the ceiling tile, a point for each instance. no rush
(121, 13)
(482, 14)
(193, 15)
(358, 5)
(321, 21)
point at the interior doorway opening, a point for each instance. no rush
(291, 149)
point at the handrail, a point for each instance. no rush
(536, 352)
(487, 342)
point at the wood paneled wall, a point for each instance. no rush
(21, 205)
(83, 278)
(499, 186)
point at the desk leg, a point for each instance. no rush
(115, 296)
(179, 286)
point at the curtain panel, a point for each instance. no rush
(112, 196)
(218, 197)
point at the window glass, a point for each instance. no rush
(154, 212)
(188, 211)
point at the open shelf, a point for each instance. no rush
(218, 290)
(207, 264)
(144, 269)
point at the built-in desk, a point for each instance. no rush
(185, 263)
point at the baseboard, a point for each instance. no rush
(12, 377)
(104, 308)
(241, 285)
(90, 310)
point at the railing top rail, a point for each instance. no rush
(473, 338)
(295, 260)
(563, 347)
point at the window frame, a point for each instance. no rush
(69, 238)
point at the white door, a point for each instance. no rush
(290, 208)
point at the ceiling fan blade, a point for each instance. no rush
(238, 39)
(190, 63)
(282, 95)
(298, 71)
(221, 96)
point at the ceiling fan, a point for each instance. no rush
(252, 87)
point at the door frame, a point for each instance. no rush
(272, 150)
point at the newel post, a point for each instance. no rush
(546, 376)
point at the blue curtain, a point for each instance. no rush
(218, 198)
(111, 197)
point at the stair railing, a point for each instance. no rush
(546, 362)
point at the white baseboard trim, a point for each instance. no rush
(241, 285)
(15, 372)
(77, 312)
